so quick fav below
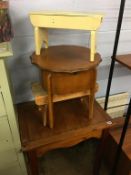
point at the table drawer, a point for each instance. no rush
(2, 106)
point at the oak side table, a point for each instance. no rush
(72, 127)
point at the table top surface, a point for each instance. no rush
(71, 121)
(65, 58)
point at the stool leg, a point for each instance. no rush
(88, 101)
(51, 117)
(91, 104)
(44, 115)
(92, 93)
(43, 110)
(93, 42)
(50, 102)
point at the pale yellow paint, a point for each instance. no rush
(64, 20)
(5, 50)
(11, 169)
(41, 35)
(93, 45)
(2, 106)
(9, 134)
(65, 13)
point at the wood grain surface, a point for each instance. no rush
(71, 125)
(65, 59)
(125, 60)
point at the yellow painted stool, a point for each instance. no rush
(63, 20)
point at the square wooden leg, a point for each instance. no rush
(33, 168)
(100, 153)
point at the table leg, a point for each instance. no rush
(33, 168)
(100, 153)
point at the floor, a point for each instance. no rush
(76, 160)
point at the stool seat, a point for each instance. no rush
(65, 58)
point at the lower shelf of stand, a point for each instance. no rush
(125, 60)
(71, 126)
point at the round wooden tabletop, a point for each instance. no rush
(65, 58)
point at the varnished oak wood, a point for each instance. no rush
(71, 123)
(45, 101)
(71, 127)
(125, 60)
(50, 104)
(41, 96)
(69, 85)
(71, 74)
(32, 163)
(67, 58)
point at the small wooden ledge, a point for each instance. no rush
(125, 60)
(41, 96)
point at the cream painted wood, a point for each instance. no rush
(64, 20)
(41, 35)
(7, 157)
(2, 106)
(21, 162)
(5, 49)
(9, 136)
(11, 169)
(9, 102)
(6, 141)
(93, 45)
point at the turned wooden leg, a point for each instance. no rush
(43, 110)
(51, 116)
(100, 153)
(91, 104)
(44, 115)
(88, 101)
(50, 102)
(32, 163)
